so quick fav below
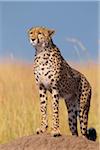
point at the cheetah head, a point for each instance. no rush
(40, 36)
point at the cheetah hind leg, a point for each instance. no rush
(83, 113)
(72, 117)
(90, 133)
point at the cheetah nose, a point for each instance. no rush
(33, 40)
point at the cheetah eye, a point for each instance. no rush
(31, 32)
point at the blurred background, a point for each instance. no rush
(76, 25)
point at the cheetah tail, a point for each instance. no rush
(91, 134)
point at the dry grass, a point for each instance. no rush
(19, 101)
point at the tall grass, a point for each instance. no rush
(19, 101)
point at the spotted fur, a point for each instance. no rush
(54, 74)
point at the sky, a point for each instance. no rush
(75, 24)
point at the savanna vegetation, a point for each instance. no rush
(19, 101)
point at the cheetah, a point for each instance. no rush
(54, 74)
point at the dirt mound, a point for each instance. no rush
(46, 142)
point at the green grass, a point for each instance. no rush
(19, 102)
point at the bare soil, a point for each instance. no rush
(46, 142)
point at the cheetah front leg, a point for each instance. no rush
(43, 109)
(55, 120)
(84, 110)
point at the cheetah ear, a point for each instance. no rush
(51, 32)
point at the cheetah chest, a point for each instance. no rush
(42, 74)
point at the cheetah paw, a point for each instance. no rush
(41, 130)
(56, 133)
